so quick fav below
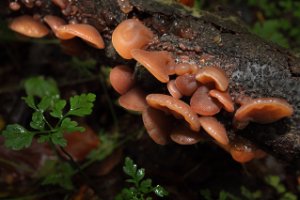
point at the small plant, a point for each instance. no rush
(274, 181)
(141, 187)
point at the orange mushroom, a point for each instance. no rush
(213, 74)
(28, 26)
(262, 110)
(121, 78)
(134, 100)
(157, 124)
(173, 90)
(14, 6)
(215, 129)
(130, 34)
(224, 98)
(185, 68)
(158, 63)
(83, 31)
(184, 136)
(186, 84)
(176, 107)
(54, 22)
(60, 3)
(203, 104)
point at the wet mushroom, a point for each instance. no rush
(28, 26)
(134, 100)
(83, 31)
(121, 78)
(215, 129)
(214, 75)
(184, 136)
(173, 90)
(130, 34)
(224, 98)
(176, 107)
(186, 84)
(60, 3)
(158, 63)
(262, 110)
(54, 22)
(14, 6)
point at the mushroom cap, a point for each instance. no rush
(173, 90)
(215, 129)
(175, 106)
(130, 34)
(134, 100)
(263, 110)
(184, 136)
(121, 78)
(158, 63)
(203, 104)
(60, 3)
(54, 22)
(213, 74)
(15, 6)
(185, 68)
(28, 26)
(242, 156)
(224, 98)
(157, 124)
(83, 31)
(186, 84)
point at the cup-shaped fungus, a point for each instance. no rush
(28, 26)
(175, 106)
(214, 75)
(183, 135)
(157, 124)
(185, 68)
(203, 104)
(215, 129)
(121, 78)
(224, 98)
(186, 84)
(173, 90)
(84, 31)
(134, 100)
(158, 63)
(262, 110)
(54, 22)
(130, 34)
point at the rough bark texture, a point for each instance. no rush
(256, 68)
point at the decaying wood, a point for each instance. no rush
(256, 68)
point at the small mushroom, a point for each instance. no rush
(176, 107)
(157, 124)
(215, 129)
(54, 22)
(60, 3)
(14, 6)
(186, 84)
(224, 98)
(121, 78)
(173, 90)
(184, 136)
(28, 26)
(130, 34)
(262, 110)
(203, 104)
(134, 100)
(158, 63)
(185, 68)
(83, 31)
(213, 74)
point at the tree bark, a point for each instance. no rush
(256, 68)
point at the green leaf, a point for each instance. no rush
(17, 137)
(68, 126)
(45, 103)
(206, 194)
(37, 121)
(39, 86)
(44, 138)
(140, 174)
(82, 105)
(29, 100)
(62, 176)
(223, 195)
(274, 181)
(288, 196)
(57, 110)
(58, 139)
(130, 168)
(160, 191)
(146, 186)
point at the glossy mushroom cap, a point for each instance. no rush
(185, 68)
(54, 22)
(224, 98)
(60, 3)
(157, 124)
(173, 90)
(130, 34)
(213, 74)
(186, 84)
(134, 100)
(83, 31)
(158, 63)
(262, 110)
(215, 129)
(14, 6)
(184, 136)
(203, 104)
(121, 78)
(28, 26)
(176, 107)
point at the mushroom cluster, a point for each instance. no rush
(195, 95)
